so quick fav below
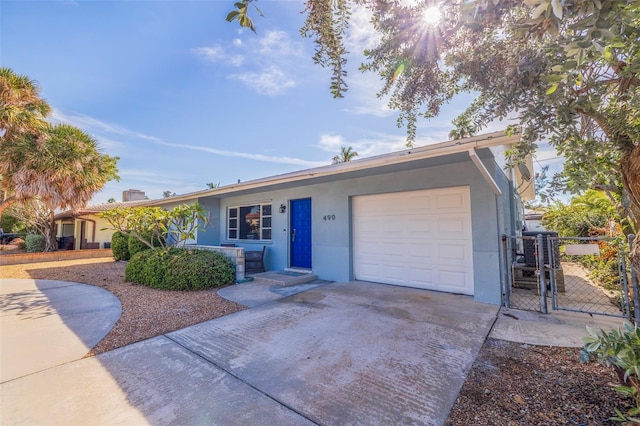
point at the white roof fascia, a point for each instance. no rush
(408, 155)
(484, 172)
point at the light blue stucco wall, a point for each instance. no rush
(332, 254)
(210, 235)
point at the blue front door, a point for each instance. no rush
(300, 235)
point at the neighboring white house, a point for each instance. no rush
(84, 229)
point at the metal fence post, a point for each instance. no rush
(624, 293)
(634, 284)
(542, 282)
(506, 290)
(552, 271)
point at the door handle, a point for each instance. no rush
(293, 236)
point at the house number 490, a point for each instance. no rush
(330, 217)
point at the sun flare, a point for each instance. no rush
(431, 16)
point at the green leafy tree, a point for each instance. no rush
(37, 219)
(346, 155)
(213, 185)
(154, 226)
(566, 71)
(168, 194)
(463, 128)
(586, 215)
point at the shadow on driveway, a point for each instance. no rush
(45, 323)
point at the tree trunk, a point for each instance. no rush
(630, 168)
(6, 203)
(50, 234)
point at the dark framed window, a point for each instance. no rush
(249, 222)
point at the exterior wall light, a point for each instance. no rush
(283, 208)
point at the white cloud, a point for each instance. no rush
(271, 81)
(279, 45)
(362, 97)
(211, 53)
(237, 60)
(263, 60)
(90, 125)
(361, 33)
(85, 122)
(366, 147)
(250, 156)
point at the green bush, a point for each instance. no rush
(180, 269)
(620, 350)
(120, 246)
(35, 243)
(135, 245)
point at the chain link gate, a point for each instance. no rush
(545, 272)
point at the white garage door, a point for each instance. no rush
(417, 239)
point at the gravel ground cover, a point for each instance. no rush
(509, 384)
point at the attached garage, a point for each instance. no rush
(417, 239)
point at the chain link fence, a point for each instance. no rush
(576, 274)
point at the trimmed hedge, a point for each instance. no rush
(180, 269)
(136, 246)
(120, 246)
(35, 243)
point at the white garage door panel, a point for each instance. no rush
(418, 238)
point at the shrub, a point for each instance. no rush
(620, 350)
(135, 245)
(35, 243)
(22, 244)
(180, 269)
(120, 246)
(147, 267)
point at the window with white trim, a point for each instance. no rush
(249, 222)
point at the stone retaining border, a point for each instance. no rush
(54, 256)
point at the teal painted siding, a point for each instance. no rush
(331, 215)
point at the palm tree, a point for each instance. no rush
(346, 154)
(62, 170)
(22, 110)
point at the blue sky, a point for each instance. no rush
(185, 98)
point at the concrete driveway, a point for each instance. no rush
(342, 353)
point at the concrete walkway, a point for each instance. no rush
(45, 323)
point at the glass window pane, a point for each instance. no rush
(233, 223)
(266, 234)
(233, 234)
(249, 223)
(233, 212)
(266, 210)
(266, 222)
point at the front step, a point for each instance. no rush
(283, 278)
